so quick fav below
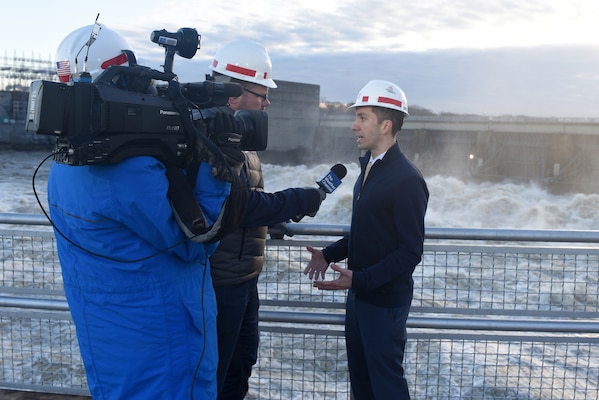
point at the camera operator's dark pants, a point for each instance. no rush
(376, 340)
(238, 337)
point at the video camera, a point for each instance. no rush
(122, 113)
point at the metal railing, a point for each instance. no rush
(497, 314)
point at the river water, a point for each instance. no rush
(453, 202)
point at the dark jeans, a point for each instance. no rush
(238, 337)
(376, 340)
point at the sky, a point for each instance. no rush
(536, 58)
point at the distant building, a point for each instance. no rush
(16, 74)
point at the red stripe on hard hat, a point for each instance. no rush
(241, 70)
(118, 60)
(389, 100)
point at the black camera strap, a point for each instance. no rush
(188, 212)
(185, 207)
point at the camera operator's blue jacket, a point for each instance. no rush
(139, 292)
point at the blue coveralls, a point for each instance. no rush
(140, 294)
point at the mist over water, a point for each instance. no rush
(453, 202)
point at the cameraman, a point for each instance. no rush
(139, 292)
(239, 258)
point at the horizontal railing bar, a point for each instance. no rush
(504, 325)
(543, 235)
(526, 235)
(23, 219)
(301, 304)
(444, 323)
(481, 324)
(302, 317)
(566, 315)
(45, 389)
(553, 314)
(35, 303)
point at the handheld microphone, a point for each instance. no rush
(332, 179)
(327, 184)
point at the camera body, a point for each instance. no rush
(123, 114)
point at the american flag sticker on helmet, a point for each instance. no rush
(63, 69)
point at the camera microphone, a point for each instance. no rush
(327, 184)
(185, 41)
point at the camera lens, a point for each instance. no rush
(253, 128)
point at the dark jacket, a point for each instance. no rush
(386, 237)
(240, 255)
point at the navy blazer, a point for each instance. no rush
(386, 238)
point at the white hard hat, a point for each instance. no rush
(245, 60)
(92, 49)
(378, 93)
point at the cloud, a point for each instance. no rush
(542, 81)
(352, 26)
(498, 57)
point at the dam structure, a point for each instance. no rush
(557, 153)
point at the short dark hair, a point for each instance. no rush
(395, 116)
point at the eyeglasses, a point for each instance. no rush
(263, 97)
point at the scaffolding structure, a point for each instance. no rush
(17, 72)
